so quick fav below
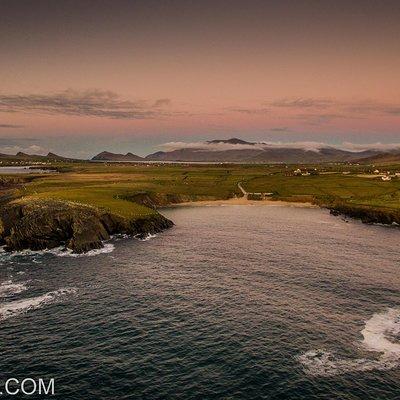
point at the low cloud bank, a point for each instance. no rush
(305, 145)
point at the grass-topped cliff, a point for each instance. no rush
(39, 224)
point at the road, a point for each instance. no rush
(242, 190)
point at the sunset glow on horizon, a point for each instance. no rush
(78, 77)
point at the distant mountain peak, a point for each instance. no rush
(54, 156)
(21, 154)
(108, 156)
(230, 141)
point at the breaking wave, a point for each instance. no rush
(9, 288)
(147, 237)
(60, 252)
(17, 307)
(381, 334)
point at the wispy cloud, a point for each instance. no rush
(342, 108)
(93, 103)
(254, 111)
(320, 119)
(372, 107)
(302, 102)
(281, 129)
(10, 126)
(162, 102)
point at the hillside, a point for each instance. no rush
(20, 156)
(237, 150)
(108, 156)
(383, 158)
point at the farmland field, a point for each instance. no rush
(113, 186)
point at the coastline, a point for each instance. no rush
(364, 214)
(241, 201)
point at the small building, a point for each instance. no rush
(386, 178)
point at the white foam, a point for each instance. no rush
(381, 330)
(61, 252)
(380, 334)
(147, 237)
(14, 308)
(9, 288)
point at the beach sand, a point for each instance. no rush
(241, 201)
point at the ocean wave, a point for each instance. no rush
(147, 237)
(59, 252)
(18, 307)
(381, 334)
(9, 288)
(62, 252)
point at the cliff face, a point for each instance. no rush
(368, 215)
(39, 225)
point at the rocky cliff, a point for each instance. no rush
(39, 225)
(368, 215)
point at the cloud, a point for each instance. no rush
(92, 103)
(250, 110)
(303, 102)
(281, 129)
(320, 119)
(10, 126)
(303, 145)
(33, 149)
(370, 146)
(162, 102)
(371, 107)
(337, 109)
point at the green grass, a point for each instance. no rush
(356, 190)
(106, 186)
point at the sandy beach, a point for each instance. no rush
(242, 201)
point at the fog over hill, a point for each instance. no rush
(238, 150)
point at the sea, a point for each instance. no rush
(233, 302)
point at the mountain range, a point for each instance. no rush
(34, 157)
(107, 156)
(235, 150)
(241, 151)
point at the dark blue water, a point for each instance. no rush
(236, 302)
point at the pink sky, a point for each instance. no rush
(151, 73)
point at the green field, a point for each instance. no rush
(109, 185)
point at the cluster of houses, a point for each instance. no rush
(384, 175)
(17, 163)
(305, 172)
(387, 175)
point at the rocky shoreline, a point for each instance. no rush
(46, 224)
(365, 214)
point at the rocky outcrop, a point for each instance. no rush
(155, 200)
(39, 225)
(368, 215)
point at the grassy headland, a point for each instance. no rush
(115, 186)
(134, 191)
